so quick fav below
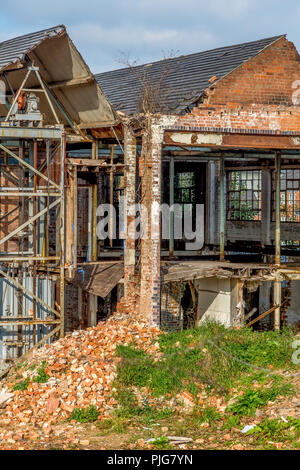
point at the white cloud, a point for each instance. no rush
(230, 9)
(141, 43)
(119, 36)
(128, 36)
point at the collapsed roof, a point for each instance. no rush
(177, 82)
(65, 72)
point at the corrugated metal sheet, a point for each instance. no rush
(99, 279)
(64, 69)
(9, 308)
(181, 79)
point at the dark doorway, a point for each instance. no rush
(189, 190)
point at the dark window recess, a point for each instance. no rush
(244, 195)
(118, 193)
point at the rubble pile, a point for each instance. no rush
(80, 370)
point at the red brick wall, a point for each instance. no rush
(218, 118)
(257, 95)
(265, 79)
(150, 247)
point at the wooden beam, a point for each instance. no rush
(263, 315)
(229, 140)
(92, 162)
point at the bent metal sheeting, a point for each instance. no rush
(65, 72)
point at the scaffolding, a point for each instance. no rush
(32, 228)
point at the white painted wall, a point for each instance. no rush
(214, 300)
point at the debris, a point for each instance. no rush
(199, 441)
(84, 442)
(247, 428)
(179, 439)
(5, 397)
(81, 367)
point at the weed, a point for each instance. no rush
(160, 442)
(41, 376)
(276, 429)
(118, 425)
(231, 421)
(85, 415)
(209, 414)
(23, 385)
(253, 399)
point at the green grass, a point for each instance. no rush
(129, 407)
(118, 425)
(208, 359)
(208, 415)
(85, 415)
(231, 421)
(212, 355)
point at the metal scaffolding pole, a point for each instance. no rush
(171, 178)
(24, 269)
(222, 208)
(277, 208)
(62, 234)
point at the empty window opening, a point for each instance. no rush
(244, 195)
(289, 195)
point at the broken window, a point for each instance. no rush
(289, 195)
(244, 195)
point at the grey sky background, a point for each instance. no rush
(147, 30)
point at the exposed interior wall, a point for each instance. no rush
(214, 300)
(171, 310)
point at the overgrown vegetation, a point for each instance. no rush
(209, 355)
(242, 366)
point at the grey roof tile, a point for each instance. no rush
(15, 49)
(178, 81)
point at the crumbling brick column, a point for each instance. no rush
(129, 216)
(171, 309)
(150, 244)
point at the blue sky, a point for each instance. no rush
(148, 30)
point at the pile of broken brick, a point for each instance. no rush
(81, 367)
